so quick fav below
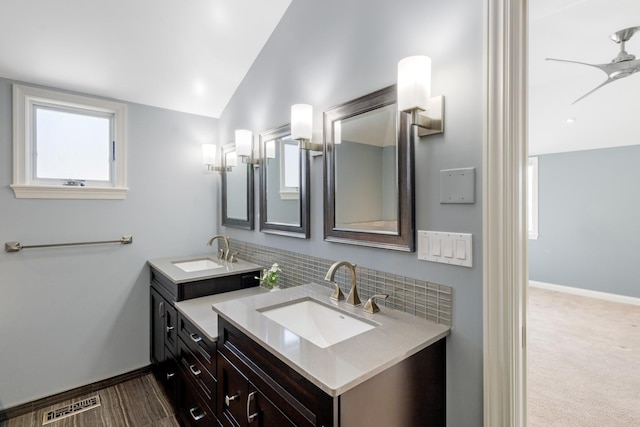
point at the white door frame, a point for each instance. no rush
(504, 214)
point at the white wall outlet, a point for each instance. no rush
(445, 247)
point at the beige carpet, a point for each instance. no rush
(583, 361)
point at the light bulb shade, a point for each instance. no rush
(414, 83)
(244, 143)
(270, 149)
(301, 121)
(209, 154)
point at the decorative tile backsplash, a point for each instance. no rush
(423, 299)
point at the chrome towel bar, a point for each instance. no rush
(17, 246)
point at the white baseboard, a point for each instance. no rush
(586, 293)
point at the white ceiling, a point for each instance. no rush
(579, 30)
(191, 56)
(185, 56)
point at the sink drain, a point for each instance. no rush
(72, 409)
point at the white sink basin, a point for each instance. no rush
(197, 265)
(323, 325)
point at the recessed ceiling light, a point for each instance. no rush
(570, 120)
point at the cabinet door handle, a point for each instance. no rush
(228, 400)
(170, 375)
(170, 328)
(194, 416)
(195, 371)
(251, 417)
(195, 338)
(161, 309)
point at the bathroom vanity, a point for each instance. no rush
(184, 359)
(392, 374)
(293, 357)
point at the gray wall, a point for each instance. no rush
(72, 316)
(588, 218)
(329, 52)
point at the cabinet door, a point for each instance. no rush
(232, 394)
(171, 328)
(158, 310)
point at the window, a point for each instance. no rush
(532, 198)
(67, 146)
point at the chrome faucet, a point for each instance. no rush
(352, 298)
(222, 253)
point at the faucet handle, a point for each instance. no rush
(370, 306)
(337, 294)
(232, 257)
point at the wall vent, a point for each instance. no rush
(72, 409)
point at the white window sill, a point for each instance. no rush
(68, 192)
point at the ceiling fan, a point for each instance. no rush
(621, 66)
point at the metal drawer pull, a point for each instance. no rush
(170, 328)
(251, 417)
(195, 338)
(194, 416)
(195, 371)
(228, 400)
(170, 375)
(161, 309)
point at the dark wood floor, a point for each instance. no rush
(139, 402)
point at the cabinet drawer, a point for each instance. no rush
(197, 374)
(194, 410)
(202, 348)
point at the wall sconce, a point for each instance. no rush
(209, 157)
(244, 146)
(301, 127)
(414, 95)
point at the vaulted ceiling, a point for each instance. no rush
(185, 56)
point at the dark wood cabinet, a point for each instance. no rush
(183, 360)
(254, 386)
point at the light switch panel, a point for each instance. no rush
(445, 247)
(458, 185)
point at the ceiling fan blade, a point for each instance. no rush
(606, 82)
(603, 67)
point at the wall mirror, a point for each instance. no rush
(237, 190)
(284, 184)
(368, 179)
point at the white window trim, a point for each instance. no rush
(24, 98)
(533, 233)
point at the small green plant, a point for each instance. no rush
(269, 278)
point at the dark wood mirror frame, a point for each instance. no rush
(404, 240)
(237, 222)
(302, 230)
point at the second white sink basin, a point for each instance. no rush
(323, 325)
(197, 265)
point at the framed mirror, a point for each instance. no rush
(369, 177)
(284, 184)
(237, 190)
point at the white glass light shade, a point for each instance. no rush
(209, 154)
(244, 143)
(270, 149)
(414, 83)
(301, 121)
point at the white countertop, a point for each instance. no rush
(198, 310)
(344, 365)
(167, 267)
